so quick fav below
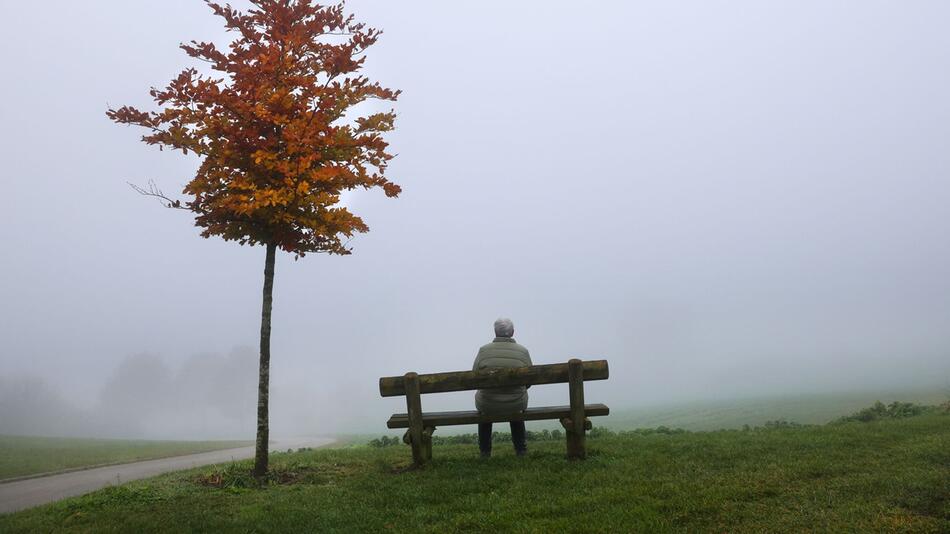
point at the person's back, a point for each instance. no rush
(503, 352)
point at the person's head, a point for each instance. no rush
(504, 328)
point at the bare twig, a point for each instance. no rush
(154, 192)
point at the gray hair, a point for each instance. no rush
(504, 328)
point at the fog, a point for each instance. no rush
(723, 199)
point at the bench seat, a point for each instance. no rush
(420, 425)
(436, 419)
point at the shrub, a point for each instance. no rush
(497, 437)
(601, 432)
(544, 435)
(385, 441)
(894, 410)
(782, 423)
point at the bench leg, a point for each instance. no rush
(427, 442)
(576, 441)
(418, 454)
(576, 432)
(576, 445)
(414, 407)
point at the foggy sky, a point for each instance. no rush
(720, 198)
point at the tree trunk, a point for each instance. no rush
(263, 387)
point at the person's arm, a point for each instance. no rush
(527, 356)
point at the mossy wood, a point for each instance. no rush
(576, 434)
(421, 425)
(414, 407)
(434, 419)
(392, 386)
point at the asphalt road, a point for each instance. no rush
(36, 491)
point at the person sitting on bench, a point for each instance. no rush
(502, 352)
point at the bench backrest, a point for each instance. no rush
(391, 386)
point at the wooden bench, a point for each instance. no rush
(421, 425)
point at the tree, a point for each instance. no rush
(274, 129)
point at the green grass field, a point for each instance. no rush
(21, 456)
(809, 408)
(885, 476)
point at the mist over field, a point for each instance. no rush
(722, 200)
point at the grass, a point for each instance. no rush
(890, 475)
(20, 456)
(806, 408)
(809, 408)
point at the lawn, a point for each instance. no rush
(21, 456)
(813, 408)
(883, 476)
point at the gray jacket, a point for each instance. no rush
(502, 352)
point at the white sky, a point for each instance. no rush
(721, 198)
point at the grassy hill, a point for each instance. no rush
(716, 414)
(890, 475)
(811, 408)
(21, 456)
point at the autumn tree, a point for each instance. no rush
(274, 120)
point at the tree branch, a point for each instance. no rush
(154, 192)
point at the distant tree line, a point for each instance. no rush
(894, 410)
(531, 435)
(144, 396)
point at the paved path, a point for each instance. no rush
(36, 491)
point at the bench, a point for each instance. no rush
(420, 425)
